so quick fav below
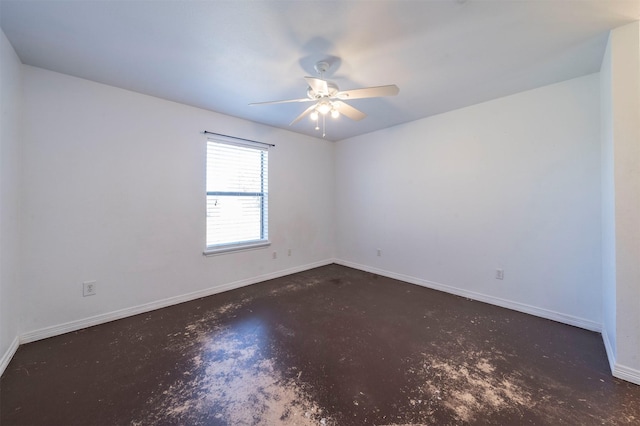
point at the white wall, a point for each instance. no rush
(114, 192)
(513, 183)
(10, 159)
(621, 199)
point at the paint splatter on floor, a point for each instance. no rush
(329, 346)
(230, 379)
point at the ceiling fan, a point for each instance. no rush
(328, 98)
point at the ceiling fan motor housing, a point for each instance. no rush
(332, 91)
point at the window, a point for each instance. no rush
(237, 195)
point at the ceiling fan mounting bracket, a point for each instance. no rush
(321, 67)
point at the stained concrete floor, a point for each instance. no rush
(329, 346)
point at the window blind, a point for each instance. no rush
(237, 193)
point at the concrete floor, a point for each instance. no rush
(329, 346)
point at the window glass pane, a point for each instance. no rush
(232, 219)
(237, 194)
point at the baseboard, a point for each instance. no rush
(59, 329)
(611, 355)
(617, 370)
(516, 306)
(627, 373)
(6, 357)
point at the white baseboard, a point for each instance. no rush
(6, 357)
(626, 373)
(617, 370)
(56, 330)
(516, 306)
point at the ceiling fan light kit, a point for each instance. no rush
(329, 99)
(324, 106)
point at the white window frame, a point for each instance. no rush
(263, 241)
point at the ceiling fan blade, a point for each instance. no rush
(369, 92)
(317, 85)
(282, 102)
(304, 113)
(349, 111)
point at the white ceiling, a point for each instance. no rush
(222, 55)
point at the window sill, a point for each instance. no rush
(235, 247)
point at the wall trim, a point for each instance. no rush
(67, 327)
(8, 355)
(617, 370)
(504, 303)
(620, 371)
(627, 373)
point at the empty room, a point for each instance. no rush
(320, 212)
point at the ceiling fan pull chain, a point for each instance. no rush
(323, 128)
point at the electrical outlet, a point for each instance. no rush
(379, 252)
(88, 288)
(499, 274)
(274, 255)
